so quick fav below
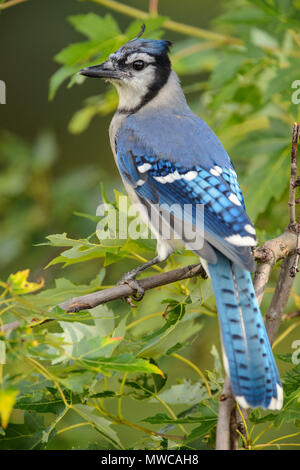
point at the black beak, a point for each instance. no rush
(104, 70)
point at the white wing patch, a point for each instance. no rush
(216, 170)
(232, 197)
(145, 167)
(250, 229)
(171, 177)
(190, 175)
(239, 240)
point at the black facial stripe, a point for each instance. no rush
(162, 71)
(122, 62)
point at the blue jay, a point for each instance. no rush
(168, 155)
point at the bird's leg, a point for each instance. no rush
(130, 279)
(134, 272)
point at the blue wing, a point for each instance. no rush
(160, 181)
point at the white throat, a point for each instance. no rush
(131, 95)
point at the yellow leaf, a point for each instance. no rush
(19, 284)
(7, 401)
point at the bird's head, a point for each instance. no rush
(139, 69)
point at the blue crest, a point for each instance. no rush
(156, 47)
(149, 46)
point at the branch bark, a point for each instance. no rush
(10, 3)
(267, 256)
(226, 404)
(293, 178)
(153, 7)
(120, 291)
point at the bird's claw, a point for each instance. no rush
(134, 284)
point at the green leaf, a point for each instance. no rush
(161, 418)
(268, 181)
(102, 425)
(92, 348)
(282, 82)
(24, 436)
(177, 329)
(226, 70)
(262, 39)
(61, 239)
(185, 392)
(59, 314)
(59, 77)
(78, 381)
(41, 402)
(100, 105)
(63, 290)
(82, 119)
(106, 394)
(217, 361)
(292, 380)
(209, 415)
(78, 53)
(124, 363)
(95, 27)
(86, 341)
(200, 431)
(244, 14)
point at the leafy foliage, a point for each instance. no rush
(33, 195)
(60, 371)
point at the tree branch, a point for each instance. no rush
(226, 404)
(10, 3)
(280, 298)
(153, 7)
(120, 291)
(293, 178)
(267, 256)
(169, 24)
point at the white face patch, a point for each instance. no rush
(234, 199)
(134, 87)
(148, 59)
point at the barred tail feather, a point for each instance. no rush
(247, 352)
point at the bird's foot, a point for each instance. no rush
(130, 280)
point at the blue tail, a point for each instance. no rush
(248, 357)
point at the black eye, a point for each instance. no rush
(138, 65)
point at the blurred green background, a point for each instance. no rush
(47, 173)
